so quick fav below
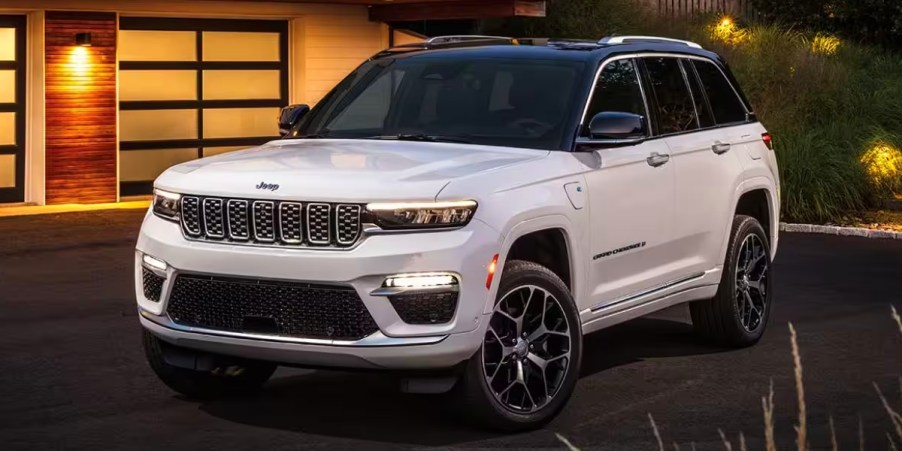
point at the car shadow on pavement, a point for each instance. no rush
(368, 406)
(641, 339)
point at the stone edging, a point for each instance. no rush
(842, 231)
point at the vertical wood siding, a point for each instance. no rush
(81, 147)
(684, 8)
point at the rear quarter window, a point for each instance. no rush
(725, 103)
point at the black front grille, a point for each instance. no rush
(425, 307)
(271, 223)
(268, 307)
(153, 285)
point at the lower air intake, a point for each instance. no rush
(275, 308)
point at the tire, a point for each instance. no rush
(485, 402)
(239, 377)
(730, 319)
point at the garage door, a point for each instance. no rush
(12, 108)
(192, 88)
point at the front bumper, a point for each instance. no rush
(466, 252)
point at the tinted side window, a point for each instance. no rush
(705, 117)
(723, 99)
(617, 90)
(675, 109)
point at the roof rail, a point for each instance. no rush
(612, 40)
(467, 38)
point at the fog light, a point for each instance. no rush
(155, 264)
(420, 281)
(434, 281)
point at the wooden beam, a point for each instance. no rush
(472, 9)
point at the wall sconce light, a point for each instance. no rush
(83, 39)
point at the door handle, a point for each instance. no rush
(720, 148)
(656, 159)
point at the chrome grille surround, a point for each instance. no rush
(347, 220)
(190, 216)
(318, 230)
(271, 223)
(291, 219)
(213, 218)
(238, 220)
(265, 221)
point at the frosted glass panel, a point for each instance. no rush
(144, 165)
(141, 125)
(157, 85)
(210, 151)
(7, 128)
(241, 84)
(240, 46)
(141, 45)
(7, 86)
(7, 171)
(240, 122)
(7, 44)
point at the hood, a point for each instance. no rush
(340, 170)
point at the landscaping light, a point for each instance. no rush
(726, 30)
(883, 163)
(825, 44)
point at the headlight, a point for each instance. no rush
(422, 215)
(166, 204)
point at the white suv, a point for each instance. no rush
(465, 210)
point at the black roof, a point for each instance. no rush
(588, 51)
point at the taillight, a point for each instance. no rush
(768, 141)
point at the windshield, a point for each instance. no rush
(502, 102)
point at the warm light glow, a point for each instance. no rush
(155, 263)
(491, 272)
(825, 44)
(726, 30)
(79, 65)
(883, 164)
(423, 280)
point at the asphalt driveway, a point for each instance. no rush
(73, 376)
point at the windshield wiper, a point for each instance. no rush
(322, 134)
(422, 137)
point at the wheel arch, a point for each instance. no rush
(757, 197)
(548, 241)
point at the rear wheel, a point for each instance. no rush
(228, 377)
(738, 313)
(528, 364)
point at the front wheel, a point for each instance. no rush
(528, 364)
(738, 313)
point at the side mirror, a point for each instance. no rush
(290, 116)
(617, 126)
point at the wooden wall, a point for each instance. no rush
(81, 147)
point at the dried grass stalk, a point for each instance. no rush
(726, 443)
(833, 444)
(802, 427)
(767, 403)
(896, 317)
(742, 446)
(893, 415)
(566, 442)
(654, 427)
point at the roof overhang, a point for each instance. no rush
(400, 10)
(406, 10)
